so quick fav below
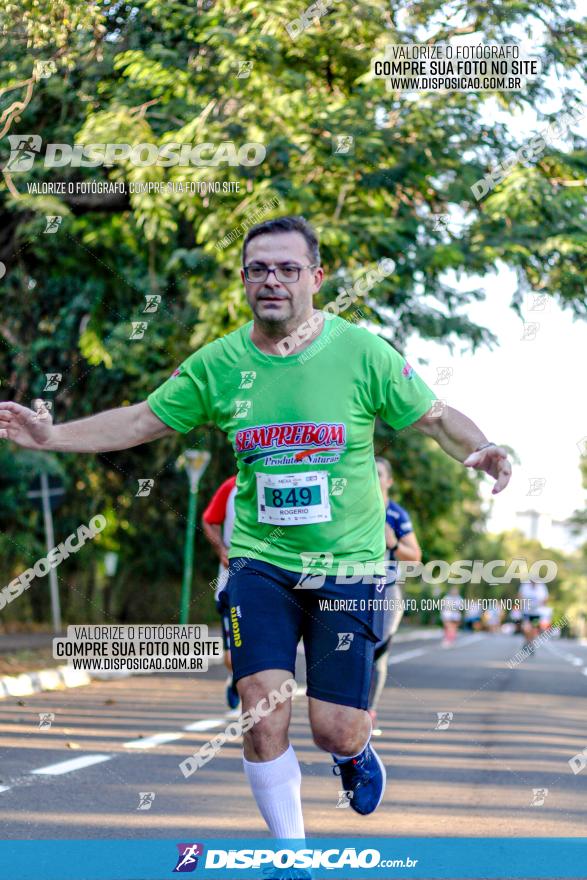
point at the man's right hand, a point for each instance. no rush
(29, 428)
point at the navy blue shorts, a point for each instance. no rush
(338, 628)
(223, 609)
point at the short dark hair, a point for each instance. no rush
(379, 459)
(286, 224)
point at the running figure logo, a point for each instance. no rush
(344, 799)
(337, 485)
(146, 799)
(242, 408)
(313, 575)
(42, 408)
(247, 378)
(440, 221)
(53, 380)
(537, 484)
(23, 150)
(152, 302)
(529, 331)
(188, 857)
(443, 375)
(53, 223)
(244, 69)
(539, 797)
(145, 487)
(444, 719)
(344, 641)
(343, 144)
(138, 329)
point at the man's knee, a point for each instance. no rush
(266, 711)
(342, 742)
(342, 730)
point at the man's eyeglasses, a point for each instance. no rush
(285, 272)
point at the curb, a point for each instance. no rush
(60, 678)
(44, 680)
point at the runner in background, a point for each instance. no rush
(450, 614)
(546, 613)
(473, 615)
(492, 618)
(218, 523)
(402, 545)
(533, 596)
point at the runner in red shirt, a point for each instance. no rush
(218, 523)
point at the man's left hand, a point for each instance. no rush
(494, 461)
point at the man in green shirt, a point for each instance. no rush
(297, 391)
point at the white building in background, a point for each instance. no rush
(551, 532)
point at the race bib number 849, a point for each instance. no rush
(293, 499)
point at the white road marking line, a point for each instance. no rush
(417, 652)
(468, 640)
(414, 637)
(69, 766)
(570, 658)
(5, 788)
(206, 724)
(407, 655)
(149, 742)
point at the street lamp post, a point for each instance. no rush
(195, 462)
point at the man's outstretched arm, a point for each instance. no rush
(107, 431)
(460, 438)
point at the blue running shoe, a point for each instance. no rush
(365, 777)
(232, 697)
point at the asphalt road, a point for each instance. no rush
(512, 730)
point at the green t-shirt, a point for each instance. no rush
(302, 432)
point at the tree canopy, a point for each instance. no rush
(224, 73)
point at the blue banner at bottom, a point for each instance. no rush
(494, 858)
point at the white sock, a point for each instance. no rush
(350, 757)
(276, 788)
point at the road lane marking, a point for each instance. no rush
(569, 658)
(468, 640)
(418, 652)
(69, 766)
(407, 655)
(149, 742)
(5, 788)
(206, 724)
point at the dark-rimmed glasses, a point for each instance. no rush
(285, 272)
